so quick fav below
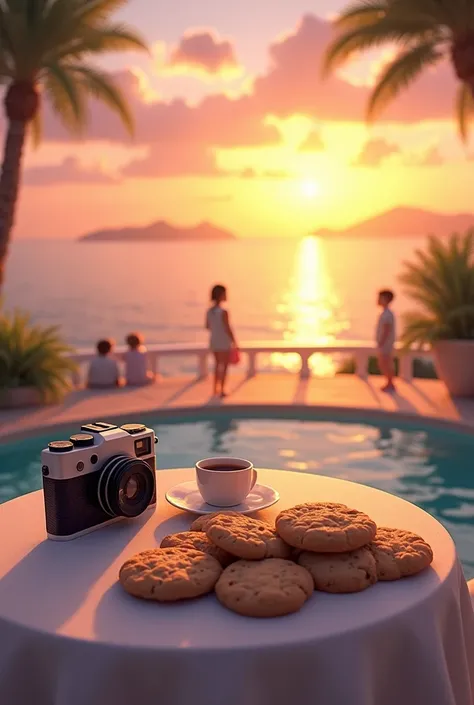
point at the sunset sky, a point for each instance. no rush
(234, 126)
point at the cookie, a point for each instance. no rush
(399, 553)
(247, 538)
(269, 588)
(341, 572)
(202, 521)
(325, 527)
(198, 541)
(169, 574)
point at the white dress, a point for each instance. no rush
(220, 339)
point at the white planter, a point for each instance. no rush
(454, 362)
(20, 397)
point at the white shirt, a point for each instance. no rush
(136, 366)
(103, 372)
(220, 340)
(386, 318)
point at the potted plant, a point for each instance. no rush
(441, 281)
(34, 363)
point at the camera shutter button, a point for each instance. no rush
(133, 428)
(82, 440)
(60, 446)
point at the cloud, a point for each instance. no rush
(374, 152)
(171, 161)
(430, 157)
(292, 84)
(188, 134)
(217, 121)
(68, 171)
(312, 143)
(276, 174)
(248, 173)
(203, 51)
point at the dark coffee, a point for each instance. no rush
(224, 468)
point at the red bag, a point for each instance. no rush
(234, 357)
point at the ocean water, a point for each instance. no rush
(308, 290)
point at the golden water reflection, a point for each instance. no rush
(310, 312)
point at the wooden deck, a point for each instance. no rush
(425, 398)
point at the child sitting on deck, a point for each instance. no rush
(137, 373)
(103, 369)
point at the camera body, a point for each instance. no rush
(100, 475)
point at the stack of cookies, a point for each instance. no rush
(258, 570)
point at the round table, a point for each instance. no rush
(70, 636)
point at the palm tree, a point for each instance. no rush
(425, 31)
(45, 47)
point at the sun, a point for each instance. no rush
(310, 188)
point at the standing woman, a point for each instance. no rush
(222, 338)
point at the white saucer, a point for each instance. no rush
(186, 496)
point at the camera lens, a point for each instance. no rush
(126, 486)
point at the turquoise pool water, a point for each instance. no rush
(430, 467)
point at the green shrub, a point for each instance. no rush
(422, 369)
(33, 356)
(441, 282)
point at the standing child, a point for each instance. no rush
(137, 373)
(103, 369)
(222, 338)
(385, 338)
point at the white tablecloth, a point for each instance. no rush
(70, 636)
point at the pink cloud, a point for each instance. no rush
(186, 134)
(290, 86)
(68, 171)
(204, 51)
(374, 152)
(276, 174)
(248, 173)
(430, 157)
(313, 143)
(170, 161)
(293, 85)
(217, 121)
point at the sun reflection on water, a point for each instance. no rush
(310, 312)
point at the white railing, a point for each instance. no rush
(358, 350)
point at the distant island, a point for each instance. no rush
(160, 231)
(404, 222)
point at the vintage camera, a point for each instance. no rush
(100, 475)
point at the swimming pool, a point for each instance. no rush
(431, 467)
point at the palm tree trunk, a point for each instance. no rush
(9, 186)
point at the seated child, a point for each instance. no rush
(103, 369)
(136, 362)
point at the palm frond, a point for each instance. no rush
(360, 14)
(372, 36)
(441, 281)
(66, 96)
(419, 330)
(100, 85)
(399, 74)
(96, 11)
(36, 129)
(464, 109)
(33, 356)
(117, 37)
(440, 12)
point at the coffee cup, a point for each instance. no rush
(225, 482)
